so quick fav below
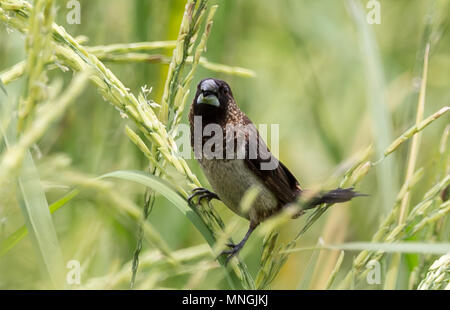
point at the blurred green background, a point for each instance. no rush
(311, 78)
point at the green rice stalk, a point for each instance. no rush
(404, 247)
(17, 160)
(376, 90)
(192, 18)
(18, 70)
(306, 280)
(414, 130)
(149, 259)
(148, 206)
(438, 276)
(270, 262)
(390, 231)
(9, 242)
(122, 204)
(103, 50)
(354, 173)
(182, 90)
(38, 53)
(11, 159)
(393, 271)
(13, 73)
(335, 271)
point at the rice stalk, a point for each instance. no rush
(393, 271)
(438, 276)
(192, 18)
(69, 52)
(149, 259)
(189, 31)
(376, 98)
(361, 165)
(121, 204)
(17, 161)
(103, 50)
(107, 53)
(335, 271)
(154, 139)
(10, 160)
(388, 247)
(389, 231)
(413, 131)
(38, 53)
(10, 241)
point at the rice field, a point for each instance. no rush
(93, 99)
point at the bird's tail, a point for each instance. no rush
(334, 196)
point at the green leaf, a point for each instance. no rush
(400, 247)
(35, 210)
(10, 241)
(404, 247)
(309, 271)
(2, 87)
(39, 221)
(376, 103)
(165, 189)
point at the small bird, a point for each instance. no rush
(234, 169)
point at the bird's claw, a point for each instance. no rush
(202, 193)
(234, 249)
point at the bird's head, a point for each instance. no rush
(213, 99)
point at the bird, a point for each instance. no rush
(216, 121)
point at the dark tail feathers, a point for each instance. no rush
(334, 196)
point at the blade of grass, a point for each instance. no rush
(398, 247)
(392, 275)
(335, 271)
(35, 210)
(165, 189)
(38, 53)
(2, 87)
(33, 202)
(376, 89)
(14, 238)
(307, 278)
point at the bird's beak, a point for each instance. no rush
(209, 99)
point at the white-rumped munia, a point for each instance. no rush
(231, 171)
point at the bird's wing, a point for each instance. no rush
(280, 181)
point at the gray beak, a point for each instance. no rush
(208, 90)
(209, 99)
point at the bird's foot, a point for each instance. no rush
(232, 251)
(202, 193)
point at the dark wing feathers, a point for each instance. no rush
(280, 181)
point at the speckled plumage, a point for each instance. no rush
(231, 176)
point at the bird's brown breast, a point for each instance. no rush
(231, 179)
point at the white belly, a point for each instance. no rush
(230, 179)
